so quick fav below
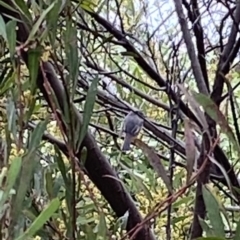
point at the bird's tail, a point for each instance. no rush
(127, 142)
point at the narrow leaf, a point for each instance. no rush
(11, 178)
(49, 184)
(88, 108)
(37, 25)
(213, 212)
(72, 54)
(155, 162)
(3, 28)
(225, 174)
(11, 36)
(41, 219)
(196, 107)
(2, 3)
(22, 6)
(33, 66)
(123, 220)
(36, 136)
(28, 164)
(12, 117)
(190, 148)
(62, 167)
(213, 111)
(205, 227)
(102, 227)
(52, 20)
(66, 178)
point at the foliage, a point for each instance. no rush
(70, 71)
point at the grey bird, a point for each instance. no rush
(132, 125)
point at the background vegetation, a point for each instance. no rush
(70, 71)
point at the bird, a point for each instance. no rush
(132, 126)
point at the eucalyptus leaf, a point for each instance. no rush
(33, 66)
(155, 162)
(7, 6)
(3, 32)
(38, 23)
(36, 136)
(41, 219)
(11, 178)
(213, 111)
(71, 48)
(88, 109)
(22, 6)
(49, 184)
(11, 36)
(207, 229)
(52, 20)
(25, 177)
(213, 212)
(102, 227)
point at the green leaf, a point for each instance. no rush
(12, 117)
(66, 178)
(176, 220)
(32, 108)
(225, 174)
(142, 186)
(11, 36)
(3, 28)
(71, 47)
(7, 80)
(237, 233)
(196, 108)
(37, 25)
(23, 8)
(123, 220)
(90, 235)
(155, 162)
(36, 136)
(49, 183)
(213, 111)
(185, 200)
(213, 212)
(33, 66)
(87, 5)
(52, 20)
(139, 181)
(88, 109)
(41, 219)
(62, 167)
(26, 175)
(205, 227)
(2, 3)
(11, 178)
(102, 227)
